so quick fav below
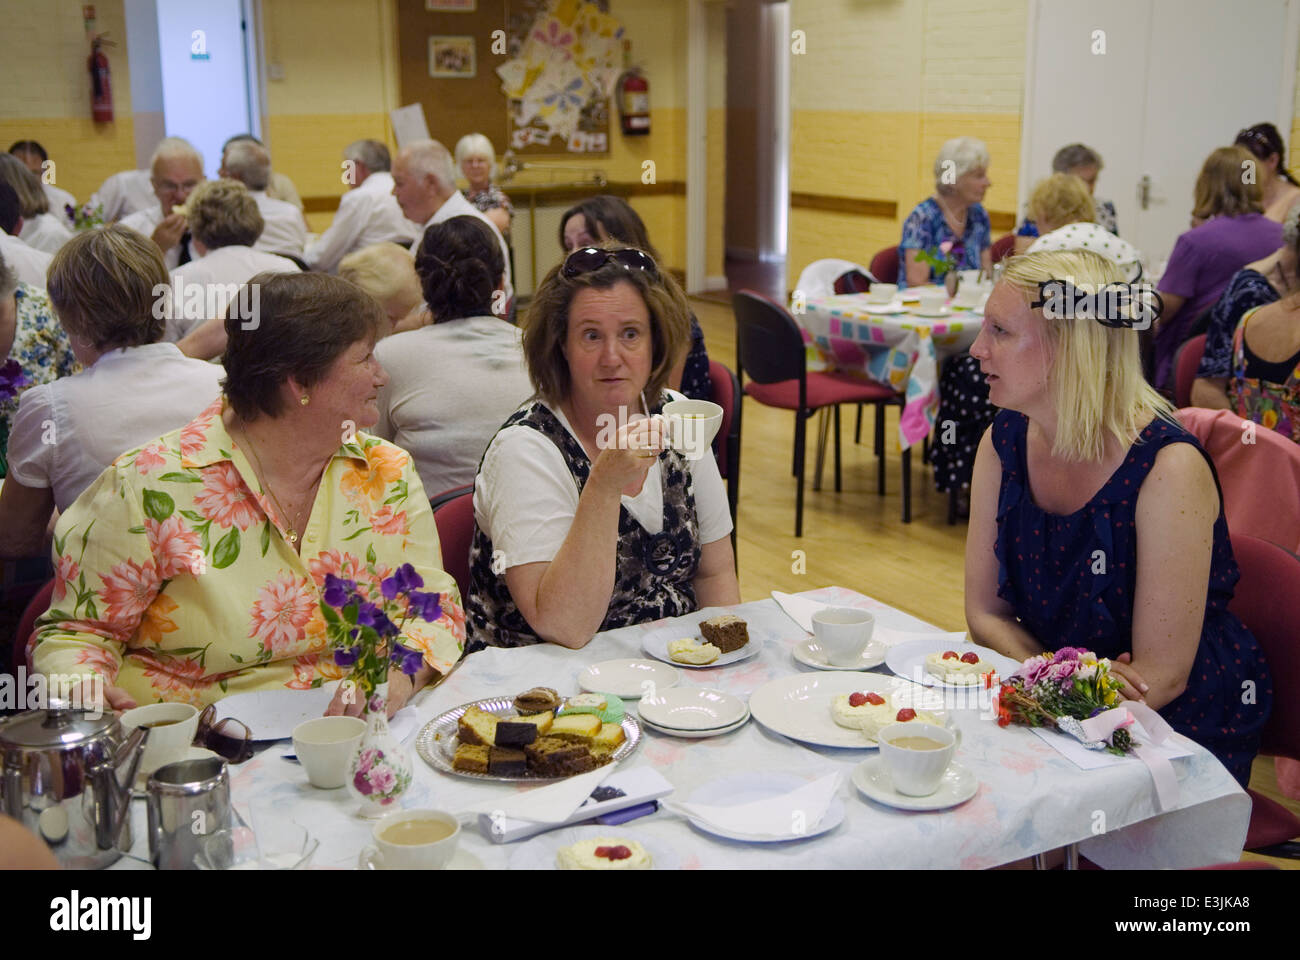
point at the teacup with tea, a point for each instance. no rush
(414, 840)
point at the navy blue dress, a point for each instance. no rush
(1045, 571)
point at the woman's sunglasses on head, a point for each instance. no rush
(590, 259)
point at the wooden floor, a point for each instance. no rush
(854, 538)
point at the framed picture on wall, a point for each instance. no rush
(451, 56)
(461, 6)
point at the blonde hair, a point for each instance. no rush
(222, 213)
(1059, 200)
(1096, 374)
(1222, 190)
(105, 287)
(383, 270)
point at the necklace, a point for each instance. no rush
(291, 534)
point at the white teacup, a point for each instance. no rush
(171, 731)
(325, 746)
(968, 278)
(882, 293)
(414, 840)
(967, 296)
(932, 299)
(691, 425)
(843, 633)
(916, 770)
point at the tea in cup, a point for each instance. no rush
(325, 746)
(916, 755)
(882, 293)
(843, 633)
(172, 727)
(415, 840)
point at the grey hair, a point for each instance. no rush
(372, 153)
(1073, 156)
(249, 163)
(964, 153)
(32, 201)
(477, 145)
(169, 148)
(8, 279)
(1291, 227)
(431, 157)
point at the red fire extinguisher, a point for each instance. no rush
(634, 103)
(101, 89)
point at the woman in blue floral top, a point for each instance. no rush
(34, 341)
(953, 215)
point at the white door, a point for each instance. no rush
(1153, 86)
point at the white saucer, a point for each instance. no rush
(931, 314)
(627, 679)
(693, 709)
(895, 306)
(696, 734)
(462, 859)
(957, 786)
(656, 643)
(540, 852)
(741, 788)
(810, 655)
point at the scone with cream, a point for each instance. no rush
(949, 667)
(603, 853)
(869, 711)
(691, 650)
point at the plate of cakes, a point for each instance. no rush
(842, 709)
(941, 663)
(713, 642)
(537, 736)
(595, 848)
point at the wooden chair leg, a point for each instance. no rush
(857, 430)
(799, 432)
(880, 449)
(837, 448)
(823, 424)
(907, 485)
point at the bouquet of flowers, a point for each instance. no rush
(1059, 690)
(85, 218)
(943, 258)
(365, 630)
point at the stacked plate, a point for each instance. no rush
(693, 712)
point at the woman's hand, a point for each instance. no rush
(1133, 684)
(95, 694)
(347, 701)
(626, 462)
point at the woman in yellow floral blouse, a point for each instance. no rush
(193, 567)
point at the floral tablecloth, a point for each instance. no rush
(1031, 798)
(899, 350)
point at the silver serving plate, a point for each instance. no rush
(436, 742)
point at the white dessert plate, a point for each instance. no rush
(895, 306)
(540, 852)
(692, 708)
(908, 660)
(656, 642)
(272, 714)
(810, 655)
(799, 706)
(462, 859)
(931, 314)
(872, 780)
(628, 679)
(696, 734)
(741, 788)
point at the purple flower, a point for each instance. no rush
(346, 658)
(376, 705)
(362, 783)
(407, 660)
(1070, 653)
(426, 606)
(338, 591)
(12, 380)
(370, 615)
(403, 580)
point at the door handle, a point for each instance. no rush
(1144, 192)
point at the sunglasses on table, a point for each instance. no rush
(591, 259)
(228, 737)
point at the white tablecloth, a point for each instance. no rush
(1031, 799)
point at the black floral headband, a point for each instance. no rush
(1133, 305)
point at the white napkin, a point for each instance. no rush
(1086, 759)
(788, 815)
(889, 637)
(551, 804)
(799, 609)
(404, 723)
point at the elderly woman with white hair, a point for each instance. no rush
(386, 271)
(953, 215)
(478, 163)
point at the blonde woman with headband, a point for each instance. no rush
(1103, 514)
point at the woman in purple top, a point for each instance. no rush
(1229, 230)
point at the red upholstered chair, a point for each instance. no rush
(1186, 360)
(1267, 600)
(726, 445)
(885, 265)
(1003, 247)
(35, 607)
(453, 513)
(771, 351)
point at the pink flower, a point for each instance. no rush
(194, 436)
(343, 565)
(225, 500)
(945, 247)
(65, 572)
(129, 588)
(280, 614)
(383, 521)
(1062, 672)
(362, 784)
(99, 658)
(150, 457)
(367, 760)
(175, 547)
(1032, 670)
(382, 778)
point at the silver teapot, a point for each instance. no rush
(67, 778)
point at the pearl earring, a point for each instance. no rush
(304, 400)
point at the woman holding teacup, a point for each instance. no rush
(585, 520)
(193, 567)
(1103, 513)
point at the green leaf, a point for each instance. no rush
(196, 517)
(91, 610)
(222, 685)
(176, 477)
(135, 530)
(85, 536)
(370, 554)
(227, 550)
(203, 537)
(316, 683)
(158, 505)
(266, 537)
(58, 544)
(395, 498)
(187, 650)
(237, 658)
(353, 536)
(331, 615)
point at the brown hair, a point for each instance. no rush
(302, 323)
(109, 287)
(222, 213)
(1061, 199)
(1221, 188)
(546, 328)
(460, 267)
(615, 218)
(31, 195)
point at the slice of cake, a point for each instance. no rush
(609, 739)
(521, 731)
(603, 853)
(470, 758)
(536, 700)
(604, 705)
(507, 762)
(727, 632)
(477, 727)
(951, 668)
(554, 757)
(582, 727)
(690, 650)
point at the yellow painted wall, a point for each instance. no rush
(45, 88)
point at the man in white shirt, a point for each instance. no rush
(35, 157)
(30, 265)
(248, 162)
(176, 169)
(280, 187)
(424, 183)
(123, 194)
(368, 213)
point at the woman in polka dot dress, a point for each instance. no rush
(1105, 517)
